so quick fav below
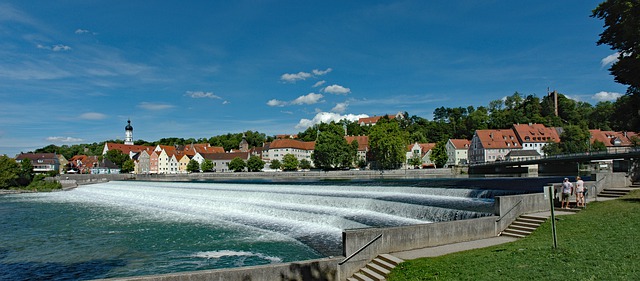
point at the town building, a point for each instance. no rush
(492, 145)
(422, 151)
(277, 149)
(457, 152)
(615, 142)
(42, 162)
(536, 136)
(221, 160)
(370, 121)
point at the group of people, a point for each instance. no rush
(568, 190)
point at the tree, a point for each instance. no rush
(331, 150)
(9, 172)
(193, 166)
(415, 160)
(255, 164)
(305, 164)
(206, 165)
(621, 33)
(275, 164)
(574, 139)
(117, 157)
(26, 172)
(237, 164)
(388, 144)
(290, 162)
(598, 146)
(439, 154)
(128, 166)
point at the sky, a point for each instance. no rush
(74, 71)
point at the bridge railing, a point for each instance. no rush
(617, 151)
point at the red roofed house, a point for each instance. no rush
(457, 150)
(82, 163)
(278, 148)
(535, 136)
(370, 121)
(614, 141)
(363, 146)
(492, 145)
(41, 162)
(422, 150)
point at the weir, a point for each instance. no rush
(195, 226)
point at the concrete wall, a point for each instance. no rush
(321, 269)
(404, 238)
(508, 208)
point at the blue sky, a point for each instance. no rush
(74, 71)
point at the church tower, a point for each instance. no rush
(128, 134)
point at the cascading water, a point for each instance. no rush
(135, 228)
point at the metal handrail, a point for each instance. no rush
(513, 207)
(360, 250)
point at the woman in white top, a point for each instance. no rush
(579, 192)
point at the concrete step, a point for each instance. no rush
(351, 279)
(372, 274)
(541, 219)
(525, 224)
(516, 231)
(609, 195)
(522, 228)
(617, 192)
(513, 235)
(360, 277)
(391, 259)
(382, 263)
(378, 269)
(571, 209)
(530, 220)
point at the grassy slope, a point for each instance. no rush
(599, 243)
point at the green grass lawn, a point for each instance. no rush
(598, 243)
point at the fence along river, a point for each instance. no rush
(130, 228)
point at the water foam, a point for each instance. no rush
(231, 253)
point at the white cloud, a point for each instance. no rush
(154, 106)
(226, 102)
(321, 72)
(201, 95)
(340, 107)
(293, 77)
(81, 31)
(55, 48)
(63, 139)
(92, 116)
(275, 102)
(311, 98)
(606, 96)
(337, 90)
(610, 59)
(319, 83)
(327, 117)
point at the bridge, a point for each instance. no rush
(560, 164)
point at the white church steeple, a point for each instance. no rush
(128, 131)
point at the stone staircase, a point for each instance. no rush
(523, 226)
(377, 269)
(618, 192)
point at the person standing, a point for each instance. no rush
(579, 192)
(567, 190)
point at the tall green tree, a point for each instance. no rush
(128, 166)
(290, 162)
(193, 166)
(206, 166)
(332, 150)
(237, 164)
(574, 139)
(439, 154)
(117, 157)
(26, 172)
(305, 164)
(388, 144)
(9, 172)
(275, 164)
(255, 164)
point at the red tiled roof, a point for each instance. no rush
(460, 143)
(495, 139)
(535, 133)
(363, 141)
(37, 156)
(373, 120)
(127, 149)
(608, 137)
(289, 143)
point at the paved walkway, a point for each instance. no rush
(468, 245)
